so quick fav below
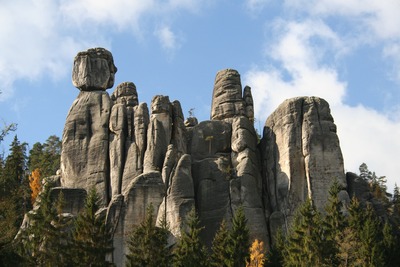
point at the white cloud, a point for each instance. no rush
(256, 5)
(41, 37)
(305, 54)
(168, 39)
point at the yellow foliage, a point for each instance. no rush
(35, 184)
(257, 254)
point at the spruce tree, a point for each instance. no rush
(148, 244)
(333, 224)
(46, 240)
(304, 245)
(92, 239)
(239, 243)
(219, 254)
(190, 251)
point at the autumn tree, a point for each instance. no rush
(148, 244)
(35, 184)
(189, 250)
(257, 254)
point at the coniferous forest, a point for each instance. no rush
(344, 234)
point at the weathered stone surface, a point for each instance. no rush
(210, 138)
(211, 182)
(94, 70)
(227, 100)
(145, 189)
(180, 196)
(158, 134)
(247, 168)
(74, 198)
(156, 147)
(85, 144)
(122, 133)
(118, 131)
(114, 219)
(178, 128)
(248, 100)
(301, 154)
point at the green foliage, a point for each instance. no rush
(219, 253)
(46, 240)
(377, 183)
(148, 244)
(239, 240)
(333, 224)
(92, 238)
(190, 251)
(304, 241)
(45, 157)
(274, 257)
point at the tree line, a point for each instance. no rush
(345, 234)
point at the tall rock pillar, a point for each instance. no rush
(85, 142)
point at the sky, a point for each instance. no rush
(345, 51)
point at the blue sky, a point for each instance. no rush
(345, 51)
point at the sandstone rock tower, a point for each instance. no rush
(135, 157)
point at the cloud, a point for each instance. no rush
(304, 56)
(168, 39)
(41, 37)
(256, 5)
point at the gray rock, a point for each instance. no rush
(74, 199)
(85, 144)
(178, 128)
(158, 134)
(156, 147)
(180, 197)
(248, 100)
(211, 182)
(94, 70)
(227, 100)
(118, 131)
(301, 154)
(210, 138)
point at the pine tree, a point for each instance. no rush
(333, 223)
(148, 244)
(396, 200)
(390, 246)
(219, 254)
(46, 241)
(275, 256)
(370, 235)
(239, 244)
(45, 157)
(92, 238)
(190, 251)
(304, 245)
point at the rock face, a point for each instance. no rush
(301, 156)
(135, 158)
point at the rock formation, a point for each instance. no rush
(135, 158)
(301, 157)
